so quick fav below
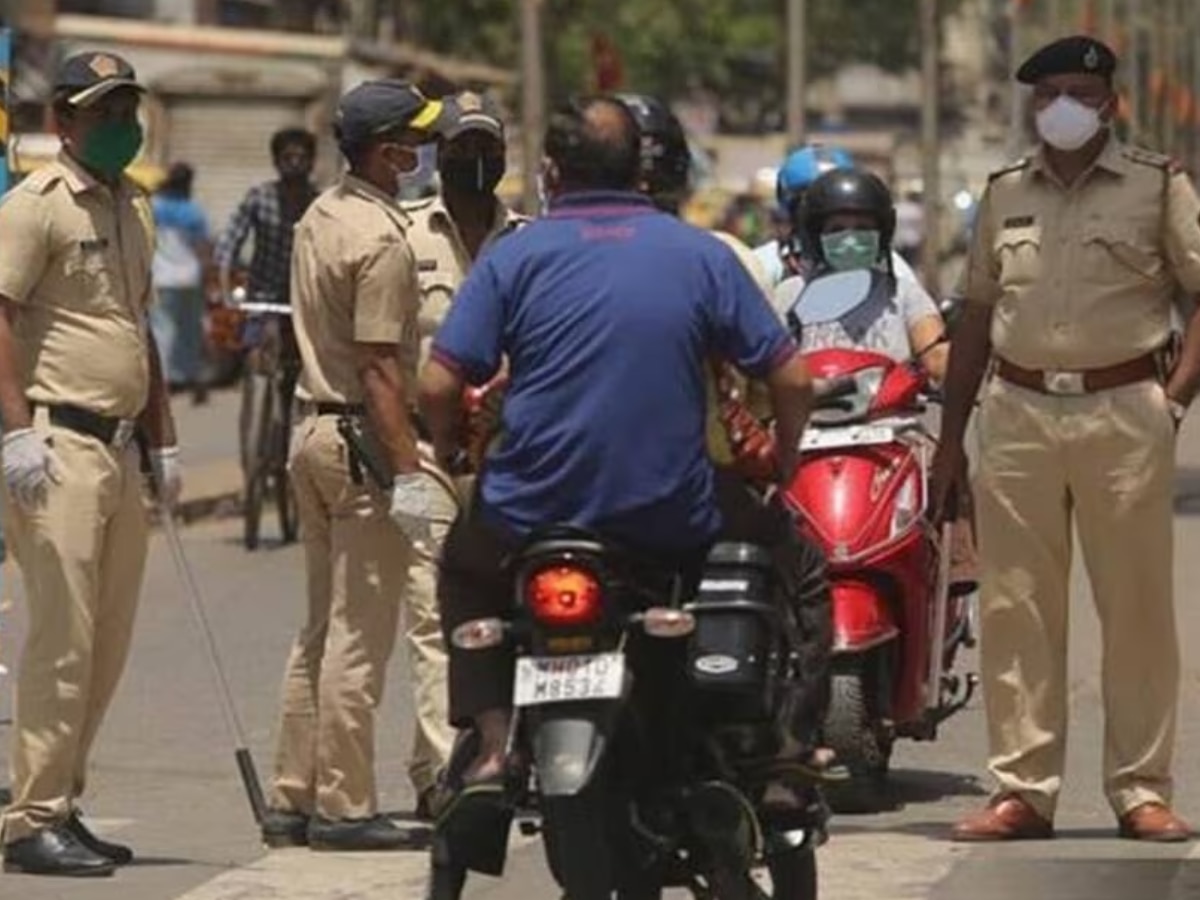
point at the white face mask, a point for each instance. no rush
(1067, 124)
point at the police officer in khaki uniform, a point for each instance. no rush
(79, 373)
(450, 230)
(355, 299)
(1078, 253)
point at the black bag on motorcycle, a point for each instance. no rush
(733, 655)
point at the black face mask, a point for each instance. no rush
(472, 176)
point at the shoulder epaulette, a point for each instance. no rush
(43, 179)
(1149, 158)
(1014, 167)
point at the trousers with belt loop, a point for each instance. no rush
(1105, 461)
(82, 554)
(361, 570)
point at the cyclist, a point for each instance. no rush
(268, 213)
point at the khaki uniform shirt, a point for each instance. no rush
(1083, 277)
(443, 260)
(75, 258)
(354, 280)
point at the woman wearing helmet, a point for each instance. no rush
(847, 221)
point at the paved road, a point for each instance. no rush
(165, 781)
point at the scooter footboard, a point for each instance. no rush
(863, 617)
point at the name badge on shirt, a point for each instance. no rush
(427, 265)
(1019, 221)
(94, 245)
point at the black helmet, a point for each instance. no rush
(846, 190)
(666, 156)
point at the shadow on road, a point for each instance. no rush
(906, 787)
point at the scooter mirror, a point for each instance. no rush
(829, 297)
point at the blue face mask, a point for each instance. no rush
(855, 249)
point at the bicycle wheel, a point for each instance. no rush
(285, 503)
(258, 466)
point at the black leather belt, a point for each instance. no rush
(106, 429)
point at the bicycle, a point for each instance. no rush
(267, 386)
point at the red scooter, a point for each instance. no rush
(860, 492)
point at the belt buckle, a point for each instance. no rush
(123, 434)
(1064, 384)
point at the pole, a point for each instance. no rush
(533, 101)
(797, 71)
(191, 593)
(931, 244)
(5, 80)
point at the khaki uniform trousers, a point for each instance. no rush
(1105, 460)
(82, 554)
(360, 570)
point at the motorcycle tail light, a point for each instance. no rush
(478, 634)
(663, 622)
(563, 595)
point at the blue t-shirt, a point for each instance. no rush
(608, 312)
(180, 226)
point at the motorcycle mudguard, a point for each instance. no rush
(862, 616)
(566, 751)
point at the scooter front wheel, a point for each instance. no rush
(851, 732)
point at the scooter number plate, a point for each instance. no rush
(856, 436)
(558, 679)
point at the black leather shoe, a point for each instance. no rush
(378, 833)
(118, 853)
(55, 851)
(282, 828)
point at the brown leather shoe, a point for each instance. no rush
(1007, 818)
(1153, 822)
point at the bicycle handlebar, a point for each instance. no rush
(279, 309)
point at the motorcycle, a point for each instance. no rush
(860, 492)
(645, 710)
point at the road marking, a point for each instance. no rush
(301, 874)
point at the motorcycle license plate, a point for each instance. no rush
(854, 436)
(555, 679)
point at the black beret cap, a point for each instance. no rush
(86, 77)
(376, 107)
(1069, 55)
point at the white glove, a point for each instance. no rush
(167, 473)
(420, 500)
(29, 464)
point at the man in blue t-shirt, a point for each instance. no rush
(607, 313)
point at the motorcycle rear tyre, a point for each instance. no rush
(579, 840)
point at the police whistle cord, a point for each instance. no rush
(245, 762)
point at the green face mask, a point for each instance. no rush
(851, 249)
(111, 146)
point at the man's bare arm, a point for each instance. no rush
(441, 393)
(14, 408)
(791, 391)
(383, 388)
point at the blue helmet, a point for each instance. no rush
(804, 166)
